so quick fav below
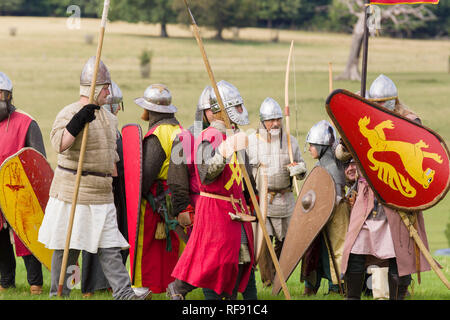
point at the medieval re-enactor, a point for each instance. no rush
(377, 234)
(183, 182)
(95, 224)
(17, 130)
(219, 254)
(318, 260)
(157, 249)
(92, 276)
(268, 152)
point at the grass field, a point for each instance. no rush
(45, 58)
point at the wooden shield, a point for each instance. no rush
(313, 209)
(132, 164)
(25, 180)
(405, 163)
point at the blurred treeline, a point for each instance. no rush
(314, 15)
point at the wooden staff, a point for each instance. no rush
(83, 149)
(263, 198)
(365, 51)
(239, 157)
(287, 114)
(413, 234)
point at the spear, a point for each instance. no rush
(248, 183)
(83, 149)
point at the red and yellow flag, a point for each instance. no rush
(403, 1)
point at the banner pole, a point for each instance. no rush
(365, 51)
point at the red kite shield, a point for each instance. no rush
(406, 164)
(25, 180)
(132, 163)
(313, 209)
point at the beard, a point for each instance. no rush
(4, 110)
(274, 132)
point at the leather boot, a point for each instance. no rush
(309, 291)
(398, 286)
(393, 286)
(353, 285)
(173, 293)
(178, 289)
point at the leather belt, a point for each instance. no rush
(85, 173)
(273, 193)
(240, 215)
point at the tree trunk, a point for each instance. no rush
(351, 71)
(164, 33)
(218, 35)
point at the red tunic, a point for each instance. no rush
(11, 142)
(156, 262)
(210, 259)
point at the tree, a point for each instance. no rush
(219, 14)
(150, 11)
(276, 13)
(395, 19)
(9, 7)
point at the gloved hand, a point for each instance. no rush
(79, 120)
(233, 143)
(297, 169)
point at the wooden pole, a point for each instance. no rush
(239, 157)
(413, 234)
(82, 150)
(365, 51)
(263, 195)
(287, 114)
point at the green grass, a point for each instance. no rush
(45, 59)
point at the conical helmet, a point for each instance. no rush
(321, 133)
(384, 90)
(270, 109)
(231, 98)
(103, 76)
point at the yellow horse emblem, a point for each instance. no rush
(411, 155)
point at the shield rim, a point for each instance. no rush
(43, 209)
(133, 273)
(349, 147)
(276, 286)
